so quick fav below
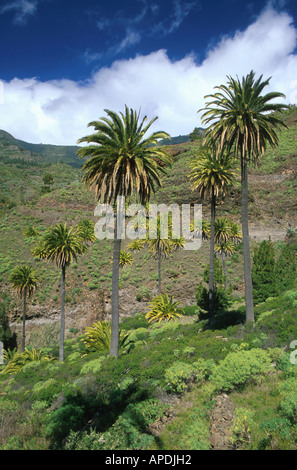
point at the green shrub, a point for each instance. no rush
(276, 434)
(241, 428)
(127, 433)
(288, 404)
(263, 272)
(163, 308)
(222, 300)
(178, 377)
(62, 420)
(238, 367)
(46, 390)
(92, 366)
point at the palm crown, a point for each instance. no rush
(24, 280)
(240, 116)
(210, 173)
(61, 245)
(122, 160)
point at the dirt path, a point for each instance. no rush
(263, 233)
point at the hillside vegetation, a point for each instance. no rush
(161, 393)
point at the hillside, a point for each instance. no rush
(169, 389)
(18, 151)
(272, 208)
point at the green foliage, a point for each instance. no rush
(263, 272)
(5, 331)
(127, 433)
(163, 308)
(285, 269)
(93, 366)
(288, 404)
(277, 434)
(97, 338)
(222, 300)
(62, 420)
(239, 367)
(181, 374)
(21, 359)
(241, 428)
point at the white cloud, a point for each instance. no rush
(58, 112)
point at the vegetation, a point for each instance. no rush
(243, 120)
(160, 392)
(61, 245)
(213, 174)
(122, 162)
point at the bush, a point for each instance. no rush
(180, 375)
(92, 366)
(277, 434)
(238, 367)
(285, 269)
(263, 272)
(127, 433)
(222, 300)
(163, 308)
(61, 421)
(288, 404)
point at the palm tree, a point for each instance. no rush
(122, 163)
(126, 258)
(61, 245)
(227, 234)
(241, 119)
(162, 247)
(86, 231)
(211, 175)
(24, 281)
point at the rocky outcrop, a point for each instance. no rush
(220, 423)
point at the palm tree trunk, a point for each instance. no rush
(246, 243)
(211, 257)
(159, 272)
(224, 269)
(62, 320)
(24, 320)
(115, 317)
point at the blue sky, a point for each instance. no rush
(64, 61)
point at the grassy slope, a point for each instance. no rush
(273, 196)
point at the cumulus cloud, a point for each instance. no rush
(58, 112)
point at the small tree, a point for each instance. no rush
(48, 180)
(285, 269)
(61, 245)
(24, 281)
(5, 331)
(263, 271)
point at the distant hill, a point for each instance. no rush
(17, 150)
(14, 150)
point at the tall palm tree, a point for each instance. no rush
(61, 245)
(122, 163)
(241, 119)
(24, 281)
(211, 175)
